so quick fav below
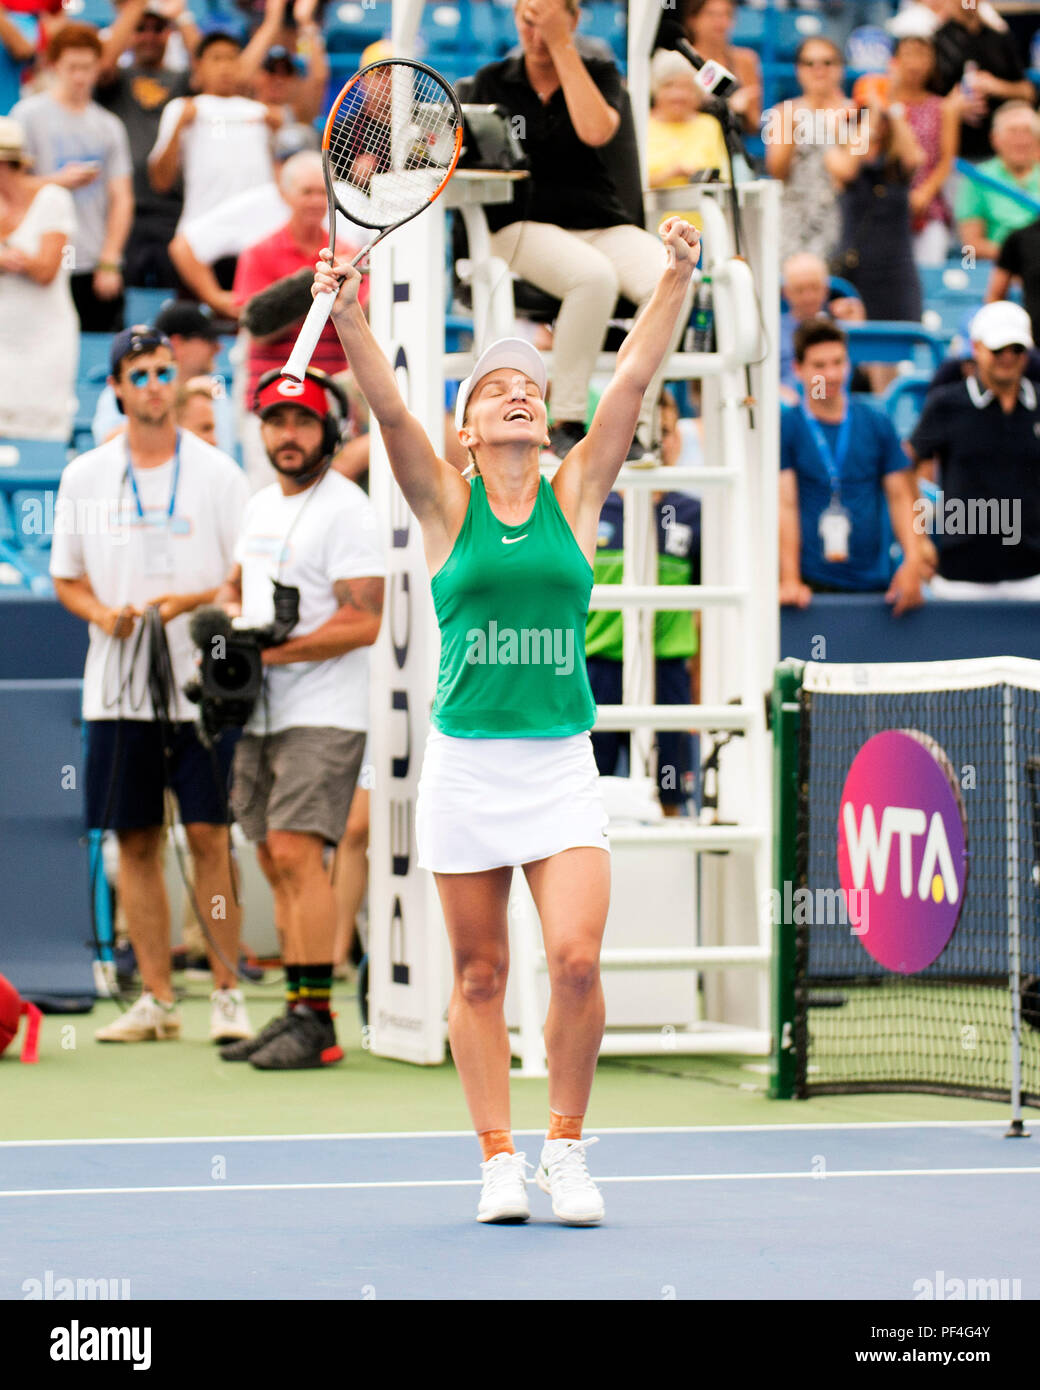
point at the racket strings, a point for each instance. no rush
(392, 144)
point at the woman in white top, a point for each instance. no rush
(39, 330)
(798, 134)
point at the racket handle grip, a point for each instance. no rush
(310, 332)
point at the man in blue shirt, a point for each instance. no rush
(839, 460)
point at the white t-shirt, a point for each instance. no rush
(225, 150)
(98, 533)
(310, 539)
(240, 222)
(235, 223)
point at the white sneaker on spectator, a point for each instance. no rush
(504, 1194)
(147, 1021)
(563, 1173)
(228, 1020)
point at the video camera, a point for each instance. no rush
(231, 670)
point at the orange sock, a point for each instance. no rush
(496, 1141)
(564, 1126)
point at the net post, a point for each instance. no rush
(1017, 1128)
(786, 722)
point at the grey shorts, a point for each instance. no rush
(297, 779)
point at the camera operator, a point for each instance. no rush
(144, 533)
(297, 763)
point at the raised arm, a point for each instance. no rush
(267, 32)
(311, 47)
(594, 119)
(164, 161)
(11, 37)
(588, 473)
(779, 151)
(432, 488)
(199, 277)
(126, 21)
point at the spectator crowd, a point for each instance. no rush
(160, 153)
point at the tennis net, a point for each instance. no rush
(906, 895)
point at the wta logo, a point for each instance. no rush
(902, 836)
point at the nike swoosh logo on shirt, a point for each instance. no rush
(512, 540)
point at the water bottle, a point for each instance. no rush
(704, 318)
(968, 77)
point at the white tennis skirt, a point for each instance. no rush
(485, 803)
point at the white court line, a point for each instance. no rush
(468, 1133)
(475, 1182)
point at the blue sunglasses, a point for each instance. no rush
(142, 375)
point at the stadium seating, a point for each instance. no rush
(142, 305)
(94, 349)
(33, 510)
(952, 293)
(29, 470)
(903, 400)
(882, 341)
(98, 12)
(40, 460)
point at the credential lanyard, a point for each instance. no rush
(173, 489)
(833, 459)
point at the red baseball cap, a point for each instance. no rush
(285, 391)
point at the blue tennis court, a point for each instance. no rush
(859, 1211)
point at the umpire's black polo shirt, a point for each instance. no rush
(984, 454)
(569, 184)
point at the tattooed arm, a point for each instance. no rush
(354, 624)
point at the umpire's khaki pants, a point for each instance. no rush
(587, 271)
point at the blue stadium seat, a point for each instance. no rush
(882, 341)
(142, 305)
(603, 19)
(953, 280)
(98, 12)
(33, 514)
(94, 350)
(749, 27)
(779, 83)
(15, 575)
(953, 292)
(903, 400)
(784, 30)
(42, 458)
(351, 27)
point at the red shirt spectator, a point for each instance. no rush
(291, 248)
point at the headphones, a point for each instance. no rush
(336, 423)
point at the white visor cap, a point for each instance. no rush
(507, 352)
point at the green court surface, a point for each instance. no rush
(83, 1089)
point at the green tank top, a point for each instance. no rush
(512, 603)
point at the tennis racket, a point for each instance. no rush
(391, 143)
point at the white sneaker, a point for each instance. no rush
(147, 1021)
(504, 1194)
(563, 1173)
(228, 1020)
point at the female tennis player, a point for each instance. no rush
(508, 776)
